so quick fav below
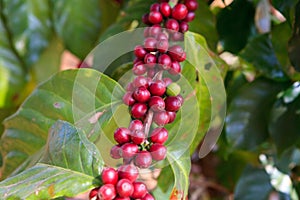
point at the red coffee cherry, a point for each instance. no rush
(107, 192)
(176, 52)
(164, 61)
(191, 5)
(139, 110)
(148, 197)
(129, 172)
(140, 52)
(179, 11)
(150, 43)
(145, 19)
(183, 27)
(154, 30)
(93, 194)
(172, 24)
(157, 88)
(189, 17)
(129, 150)
(136, 125)
(109, 176)
(156, 104)
(161, 118)
(139, 190)
(162, 45)
(173, 103)
(128, 99)
(138, 137)
(115, 152)
(155, 17)
(150, 59)
(162, 36)
(154, 7)
(175, 68)
(140, 81)
(139, 68)
(159, 135)
(124, 188)
(172, 116)
(143, 159)
(158, 152)
(122, 135)
(141, 94)
(165, 9)
(167, 80)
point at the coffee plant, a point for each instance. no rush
(156, 99)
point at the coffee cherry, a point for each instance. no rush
(136, 125)
(176, 52)
(182, 57)
(109, 176)
(165, 9)
(179, 11)
(129, 150)
(150, 43)
(148, 197)
(115, 152)
(157, 88)
(139, 190)
(162, 36)
(139, 68)
(138, 137)
(129, 172)
(107, 192)
(140, 52)
(167, 81)
(93, 195)
(145, 19)
(141, 94)
(139, 110)
(159, 135)
(161, 118)
(130, 87)
(156, 104)
(140, 81)
(151, 72)
(177, 36)
(173, 103)
(189, 17)
(191, 5)
(122, 198)
(143, 159)
(172, 24)
(128, 99)
(150, 59)
(154, 7)
(162, 45)
(154, 30)
(155, 17)
(175, 68)
(173, 89)
(164, 61)
(172, 116)
(122, 135)
(158, 152)
(180, 98)
(124, 188)
(183, 27)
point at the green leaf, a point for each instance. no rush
(130, 17)
(70, 96)
(78, 24)
(235, 25)
(12, 69)
(29, 22)
(204, 24)
(282, 114)
(68, 167)
(248, 112)
(253, 184)
(49, 61)
(260, 52)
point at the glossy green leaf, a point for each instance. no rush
(254, 183)
(285, 119)
(204, 24)
(49, 61)
(70, 96)
(235, 25)
(12, 69)
(67, 168)
(29, 22)
(247, 117)
(260, 52)
(78, 24)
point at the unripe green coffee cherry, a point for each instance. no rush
(173, 89)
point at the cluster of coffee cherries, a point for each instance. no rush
(153, 100)
(120, 184)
